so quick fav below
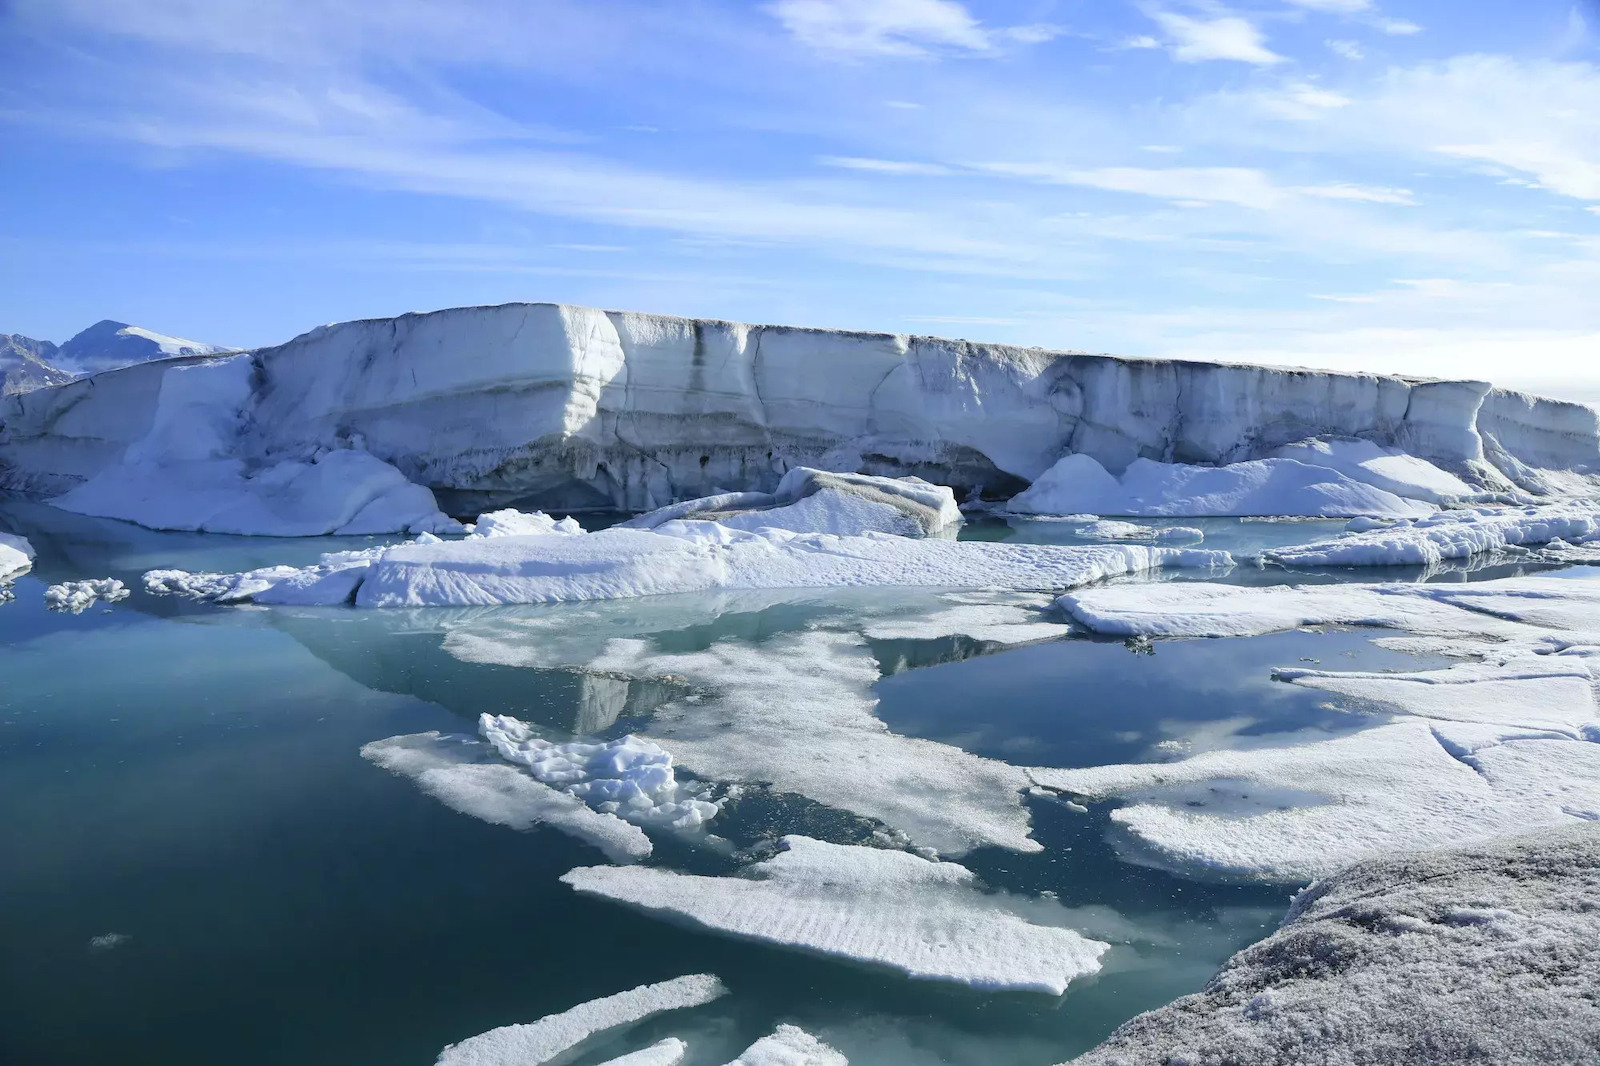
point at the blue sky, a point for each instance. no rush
(1402, 185)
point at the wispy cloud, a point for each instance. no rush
(1225, 37)
(897, 27)
(884, 166)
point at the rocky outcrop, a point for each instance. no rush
(1487, 954)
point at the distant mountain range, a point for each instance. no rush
(27, 363)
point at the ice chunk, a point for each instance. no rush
(467, 777)
(1077, 483)
(818, 501)
(543, 1040)
(16, 556)
(511, 522)
(630, 777)
(1303, 811)
(1015, 619)
(1389, 469)
(795, 711)
(75, 597)
(927, 919)
(789, 1046)
(668, 1052)
(1450, 535)
(1106, 529)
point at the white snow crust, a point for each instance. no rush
(16, 556)
(1107, 529)
(927, 919)
(75, 597)
(668, 1052)
(1388, 469)
(789, 1045)
(1078, 483)
(543, 1040)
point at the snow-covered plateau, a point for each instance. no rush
(572, 408)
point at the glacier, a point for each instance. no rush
(571, 408)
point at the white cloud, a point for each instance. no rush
(1347, 49)
(1144, 40)
(896, 27)
(1340, 7)
(1398, 27)
(884, 166)
(1371, 194)
(1302, 101)
(1239, 186)
(1195, 40)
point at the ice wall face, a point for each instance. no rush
(574, 407)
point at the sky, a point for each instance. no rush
(1407, 186)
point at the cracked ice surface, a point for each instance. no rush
(927, 919)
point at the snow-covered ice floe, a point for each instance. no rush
(182, 474)
(676, 557)
(1486, 748)
(1077, 484)
(667, 1052)
(789, 1045)
(16, 556)
(925, 918)
(540, 1041)
(75, 597)
(1107, 529)
(1455, 534)
(816, 501)
(601, 792)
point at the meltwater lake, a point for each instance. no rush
(197, 865)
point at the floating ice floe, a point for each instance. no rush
(1077, 483)
(1106, 529)
(796, 712)
(675, 557)
(789, 1045)
(183, 473)
(817, 501)
(1526, 608)
(1450, 535)
(928, 919)
(541, 1041)
(510, 522)
(75, 597)
(16, 556)
(995, 618)
(467, 777)
(1484, 749)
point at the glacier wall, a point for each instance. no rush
(574, 407)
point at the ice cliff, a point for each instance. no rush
(569, 407)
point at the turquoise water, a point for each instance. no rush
(189, 778)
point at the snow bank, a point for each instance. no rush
(1478, 954)
(467, 777)
(789, 1046)
(816, 501)
(630, 778)
(1078, 483)
(1450, 535)
(1388, 469)
(16, 556)
(510, 522)
(543, 1040)
(75, 597)
(927, 919)
(181, 473)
